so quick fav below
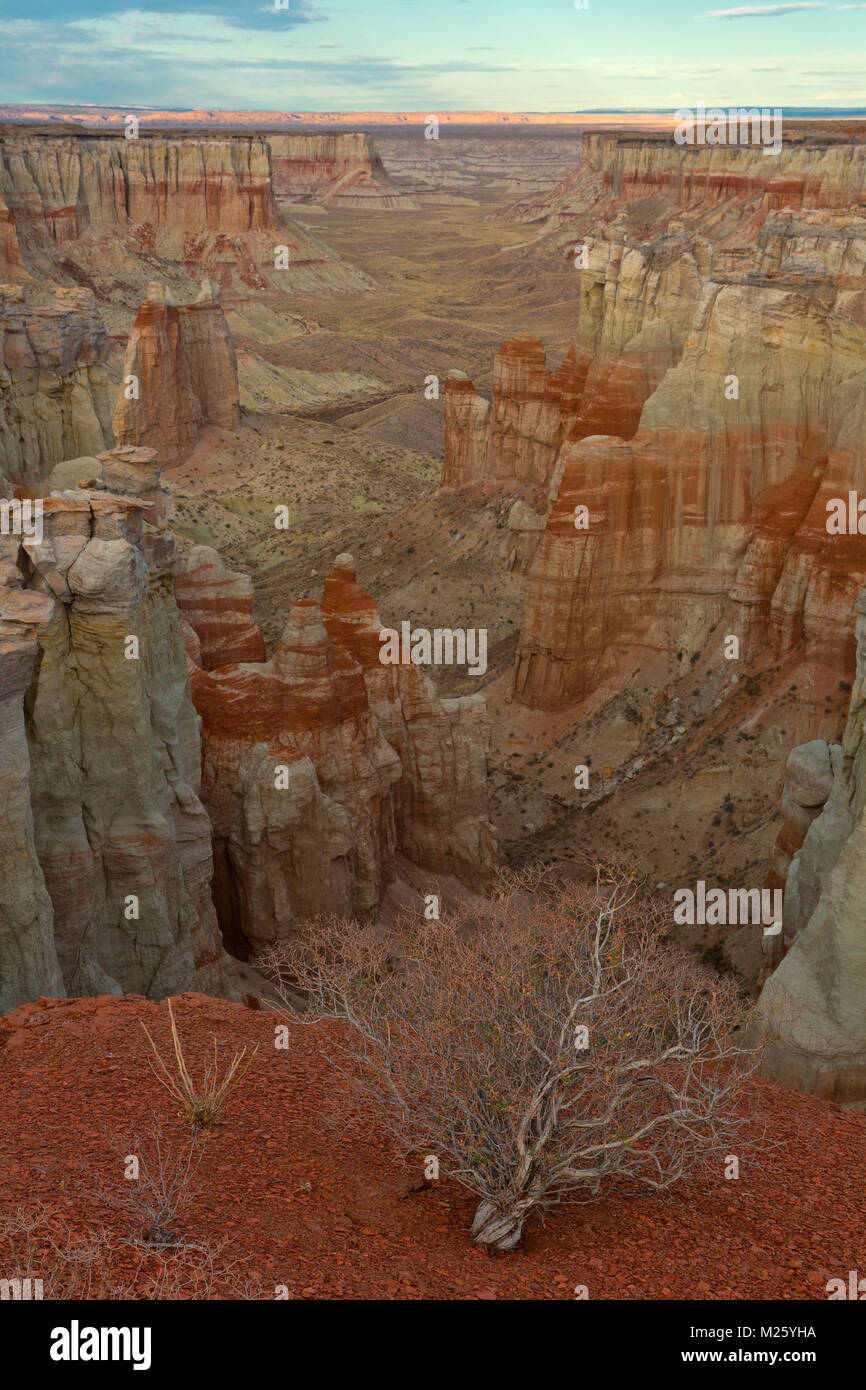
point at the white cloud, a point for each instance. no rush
(765, 11)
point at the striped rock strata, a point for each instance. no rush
(111, 892)
(319, 765)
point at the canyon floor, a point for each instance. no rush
(336, 426)
(299, 1188)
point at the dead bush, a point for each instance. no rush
(558, 1048)
(200, 1102)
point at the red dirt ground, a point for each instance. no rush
(306, 1193)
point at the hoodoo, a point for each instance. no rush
(179, 374)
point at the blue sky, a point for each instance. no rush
(439, 55)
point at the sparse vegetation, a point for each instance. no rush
(202, 1103)
(557, 1047)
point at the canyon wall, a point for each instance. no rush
(514, 438)
(109, 213)
(714, 408)
(60, 189)
(179, 374)
(338, 170)
(441, 798)
(54, 388)
(28, 955)
(727, 190)
(811, 1014)
(715, 511)
(110, 842)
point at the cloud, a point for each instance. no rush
(765, 11)
(239, 14)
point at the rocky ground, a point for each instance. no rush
(300, 1187)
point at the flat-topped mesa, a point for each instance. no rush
(716, 511)
(298, 783)
(516, 437)
(179, 374)
(218, 605)
(811, 1012)
(60, 190)
(442, 812)
(101, 210)
(120, 838)
(803, 174)
(338, 169)
(727, 188)
(55, 395)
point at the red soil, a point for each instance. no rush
(307, 1192)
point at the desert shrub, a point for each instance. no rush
(163, 1188)
(200, 1102)
(554, 1045)
(97, 1264)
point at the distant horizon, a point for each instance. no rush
(32, 110)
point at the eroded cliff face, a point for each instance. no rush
(28, 956)
(179, 374)
(811, 1011)
(728, 190)
(319, 766)
(110, 838)
(110, 210)
(340, 170)
(714, 409)
(713, 516)
(514, 438)
(441, 797)
(59, 189)
(54, 388)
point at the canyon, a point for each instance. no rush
(648, 368)
(112, 846)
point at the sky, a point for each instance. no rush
(435, 55)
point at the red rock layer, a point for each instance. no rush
(727, 188)
(297, 779)
(101, 211)
(715, 512)
(319, 764)
(720, 413)
(58, 190)
(515, 439)
(441, 798)
(218, 604)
